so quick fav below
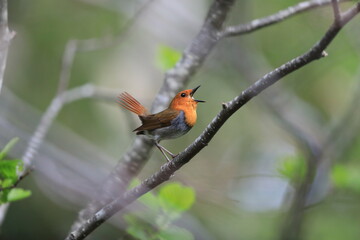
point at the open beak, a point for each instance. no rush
(192, 93)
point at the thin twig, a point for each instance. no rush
(170, 168)
(256, 24)
(28, 171)
(67, 63)
(336, 10)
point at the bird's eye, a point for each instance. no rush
(183, 95)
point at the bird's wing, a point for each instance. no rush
(159, 120)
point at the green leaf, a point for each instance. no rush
(346, 177)
(16, 194)
(175, 197)
(137, 229)
(167, 57)
(8, 182)
(8, 147)
(293, 168)
(9, 168)
(175, 233)
(151, 201)
(3, 196)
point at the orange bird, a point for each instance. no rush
(173, 122)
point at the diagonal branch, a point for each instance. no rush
(228, 110)
(256, 24)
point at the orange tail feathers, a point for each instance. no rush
(130, 103)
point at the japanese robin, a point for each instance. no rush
(170, 123)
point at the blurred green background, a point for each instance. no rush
(240, 192)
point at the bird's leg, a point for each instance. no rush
(163, 150)
(170, 153)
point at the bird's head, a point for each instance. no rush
(184, 100)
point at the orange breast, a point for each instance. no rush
(190, 116)
(188, 106)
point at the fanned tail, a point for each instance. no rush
(130, 103)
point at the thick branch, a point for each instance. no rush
(275, 18)
(230, 108)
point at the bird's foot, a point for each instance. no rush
(173, 155)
